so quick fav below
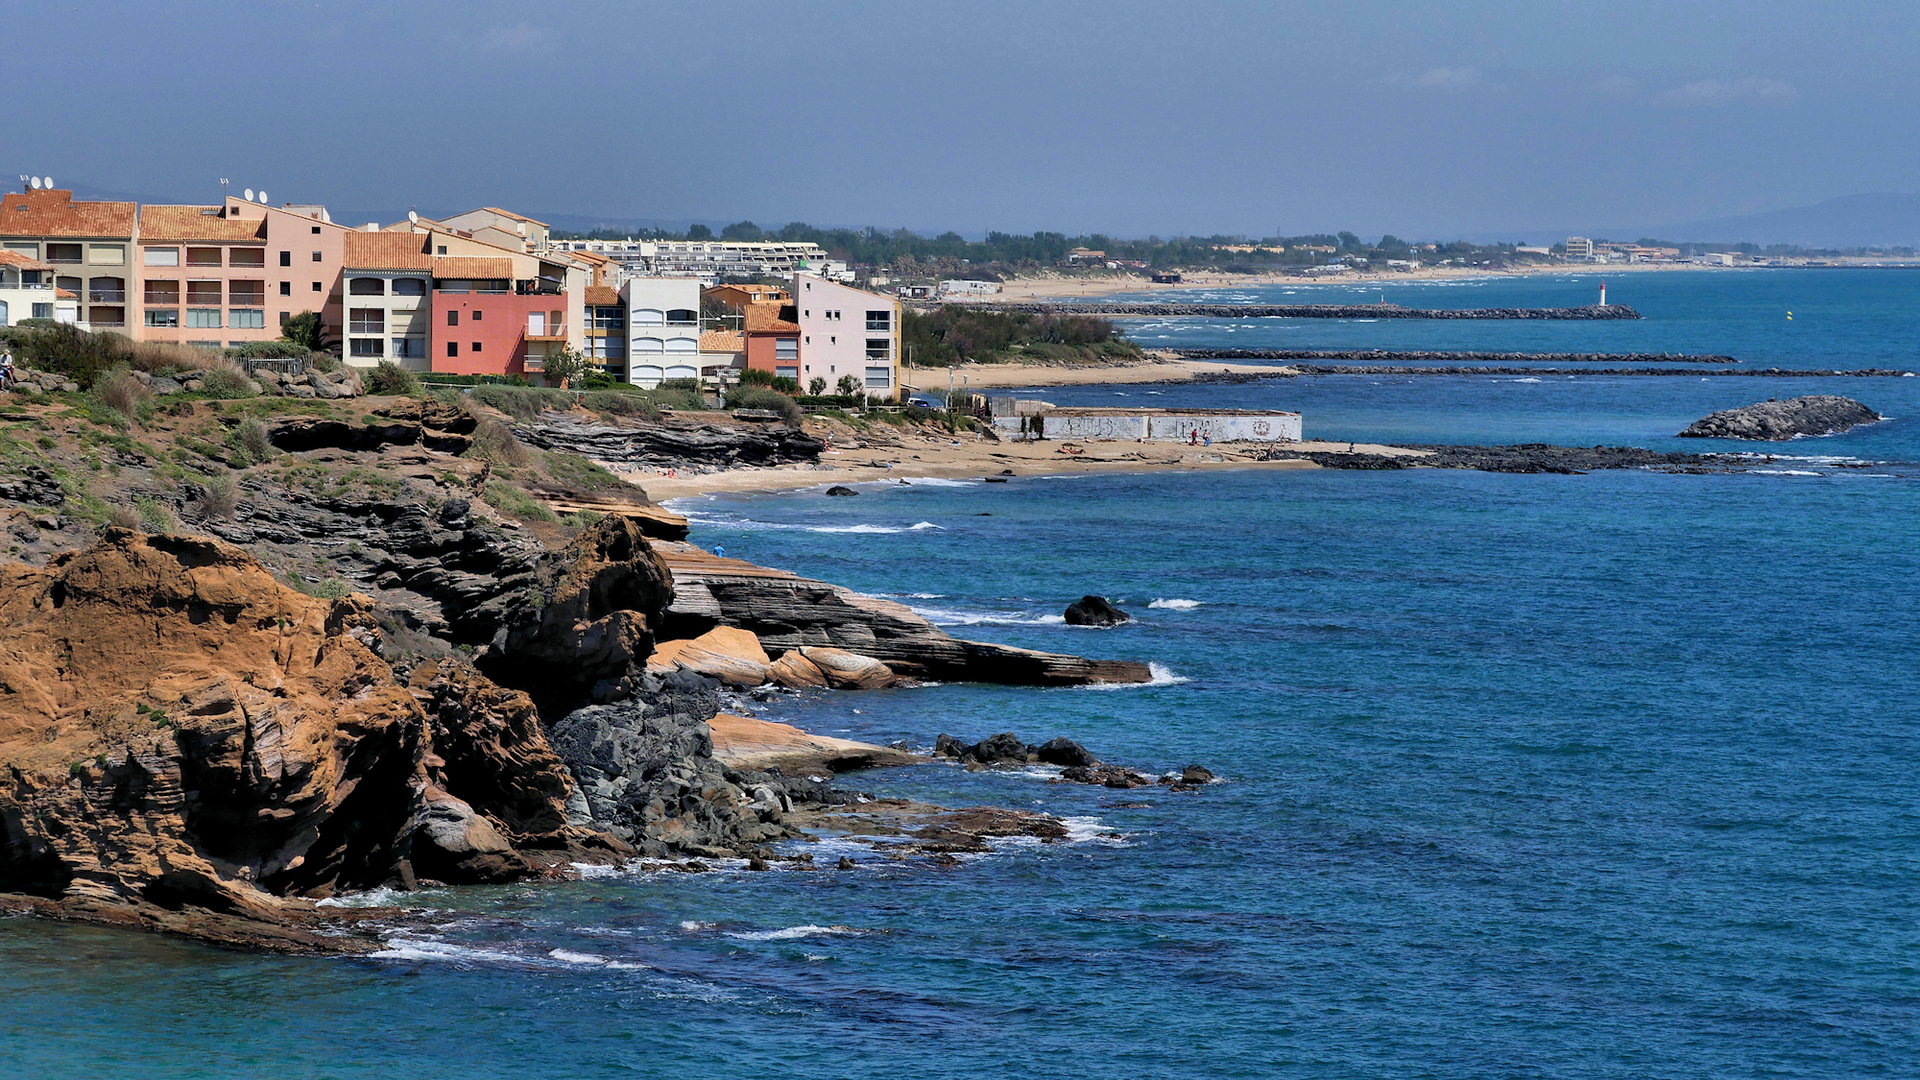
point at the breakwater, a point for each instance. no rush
(1588, 312)
(1392, 356)
(1390, 369)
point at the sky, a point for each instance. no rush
(1426, 120)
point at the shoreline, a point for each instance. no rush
(1055, 288)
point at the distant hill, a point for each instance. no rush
(1872, 220)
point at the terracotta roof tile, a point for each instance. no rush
(765, 319)
(387, 251)
(723, 341)
(52, 212)
(602, 295)
(188, 223)
(66, 294)
(472, 268)
(22, 260)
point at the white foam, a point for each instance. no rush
(416, 949)
(1528, 379)
(1784, 472)
(380, 897)
(949, 617)
(926, 596)
(1088, 830)
(792, 932)
(1176, 604)
(1161, 677)
(692, 926)
(566, 957)
(941, 481)
(597, 871)
(925, 525)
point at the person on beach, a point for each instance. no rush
(6, 369)
(719, 551)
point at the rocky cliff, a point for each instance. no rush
(677, 444)
(1815, 414)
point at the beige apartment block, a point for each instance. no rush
(233, 273)
(89, 246)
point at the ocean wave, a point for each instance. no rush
(1176, 604)
(380, 897)
(1088, 830)
(1162, 676)
(793, 932)
(948, 617)
(940, 481)
(1785, 472)
(1527, 379)
(400, 948)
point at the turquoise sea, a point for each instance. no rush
(1613, 775)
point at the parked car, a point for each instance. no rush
(926, 401)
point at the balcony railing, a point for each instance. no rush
(119, 297)
(203, 299)
(201, 262)
(26, 285)
(163, 299)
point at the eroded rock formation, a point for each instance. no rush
(1814, 414)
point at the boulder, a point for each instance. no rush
(849, 670)
(796, 672)
(1095, 611)
(841, 489)
(1064, 751)
(1815, 414)
(1005, 748)
(727, 653)
(163, 385)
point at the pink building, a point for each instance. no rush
(230, 274)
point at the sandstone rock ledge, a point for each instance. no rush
(1815, 414)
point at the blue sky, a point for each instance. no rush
(1424, 119)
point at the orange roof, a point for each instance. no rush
(65, 294)
(472, 268)
(387, 251)
(52, 212)
(22, 260)
(602, 295)
(723, 341)
(189, 223)
(765, 319)
(514, 216)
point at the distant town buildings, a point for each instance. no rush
(709, 259)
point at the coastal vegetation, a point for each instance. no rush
(955, 334)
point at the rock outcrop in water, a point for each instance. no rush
(188, 743)
(1095, 611)
(1815, 414)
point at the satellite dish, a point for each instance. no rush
(263, 198)
(413, 217)
(248, 194)
(47, 181)
(36, 183)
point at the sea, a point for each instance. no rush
(1604, 775)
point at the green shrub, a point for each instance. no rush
(388, 378)
(521, 403)
(581, 474)
(219, 497)
(493, 441)
(223, 383)
(121, 392)
(615, 403)
(249, 437)
(323, 362)
(515, 503)
(272, 350)
(756, 397)
(124, 517)
(156, 516)
(85, 358)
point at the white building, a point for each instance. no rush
(26, 289)
(962, 287)
(1579, 248)
(847, 331)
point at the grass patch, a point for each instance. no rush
(581, 474)
(515, 503)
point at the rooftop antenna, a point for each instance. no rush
(223, 188)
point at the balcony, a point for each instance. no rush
(250, 258)
(106, 296)
(47, 285)
(162, 299)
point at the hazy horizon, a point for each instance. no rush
(1442, 120)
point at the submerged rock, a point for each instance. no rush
(1095, 611)
(841, 489)
(1814, 414)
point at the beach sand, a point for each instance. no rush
(916, 453)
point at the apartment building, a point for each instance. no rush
(88, 245)
(26, 289)
(663, 329)
(772, 339)
(847, 331)
(389, 282)
(233, 273)
(502, 228)
(548, 306)
(708, 259)
(606, 330)
(1579, 248)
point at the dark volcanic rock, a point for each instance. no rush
(677, 444)
(34, 485)
(1064, 751)
(1815, 414)
(1095, 611)
(841, 489)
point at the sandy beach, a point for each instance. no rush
(907, 454)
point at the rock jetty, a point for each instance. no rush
(1319, 311)
(1815, 414)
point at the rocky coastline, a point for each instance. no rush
(1293, 370)
(1392, 356)
(1812, 415)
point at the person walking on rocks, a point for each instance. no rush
(6, 369)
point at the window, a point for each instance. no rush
(366, 346)
(63, 253)
(286, 288)
(204, 344)
(648, 317)
(316, 286)
(649, 345)
(107, 316)
(367, 286)
(453, 317)
(163, 293)
(879, 348)
(879, 377)
(786, 348)
(107, 290)
(286, 317)
(286, 258)
(316, 256)
(370, 320)
(607, 348)
(203, 318)
(879, 320)
(107, 254)
(43, 311)
(316, 230)
(609, 318)
(536, 324)
(409, 348)
(71, 284)
(249, 257)
(453, 348)
(409, 286)
(475, 317)
(476, 346)
(683, 345)
(683, 316)
(206, 293)
(160, 256)
(440, 249)
(246, 293)
(29, 248)
(203, 256)
(246, 318)
(787, 373)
